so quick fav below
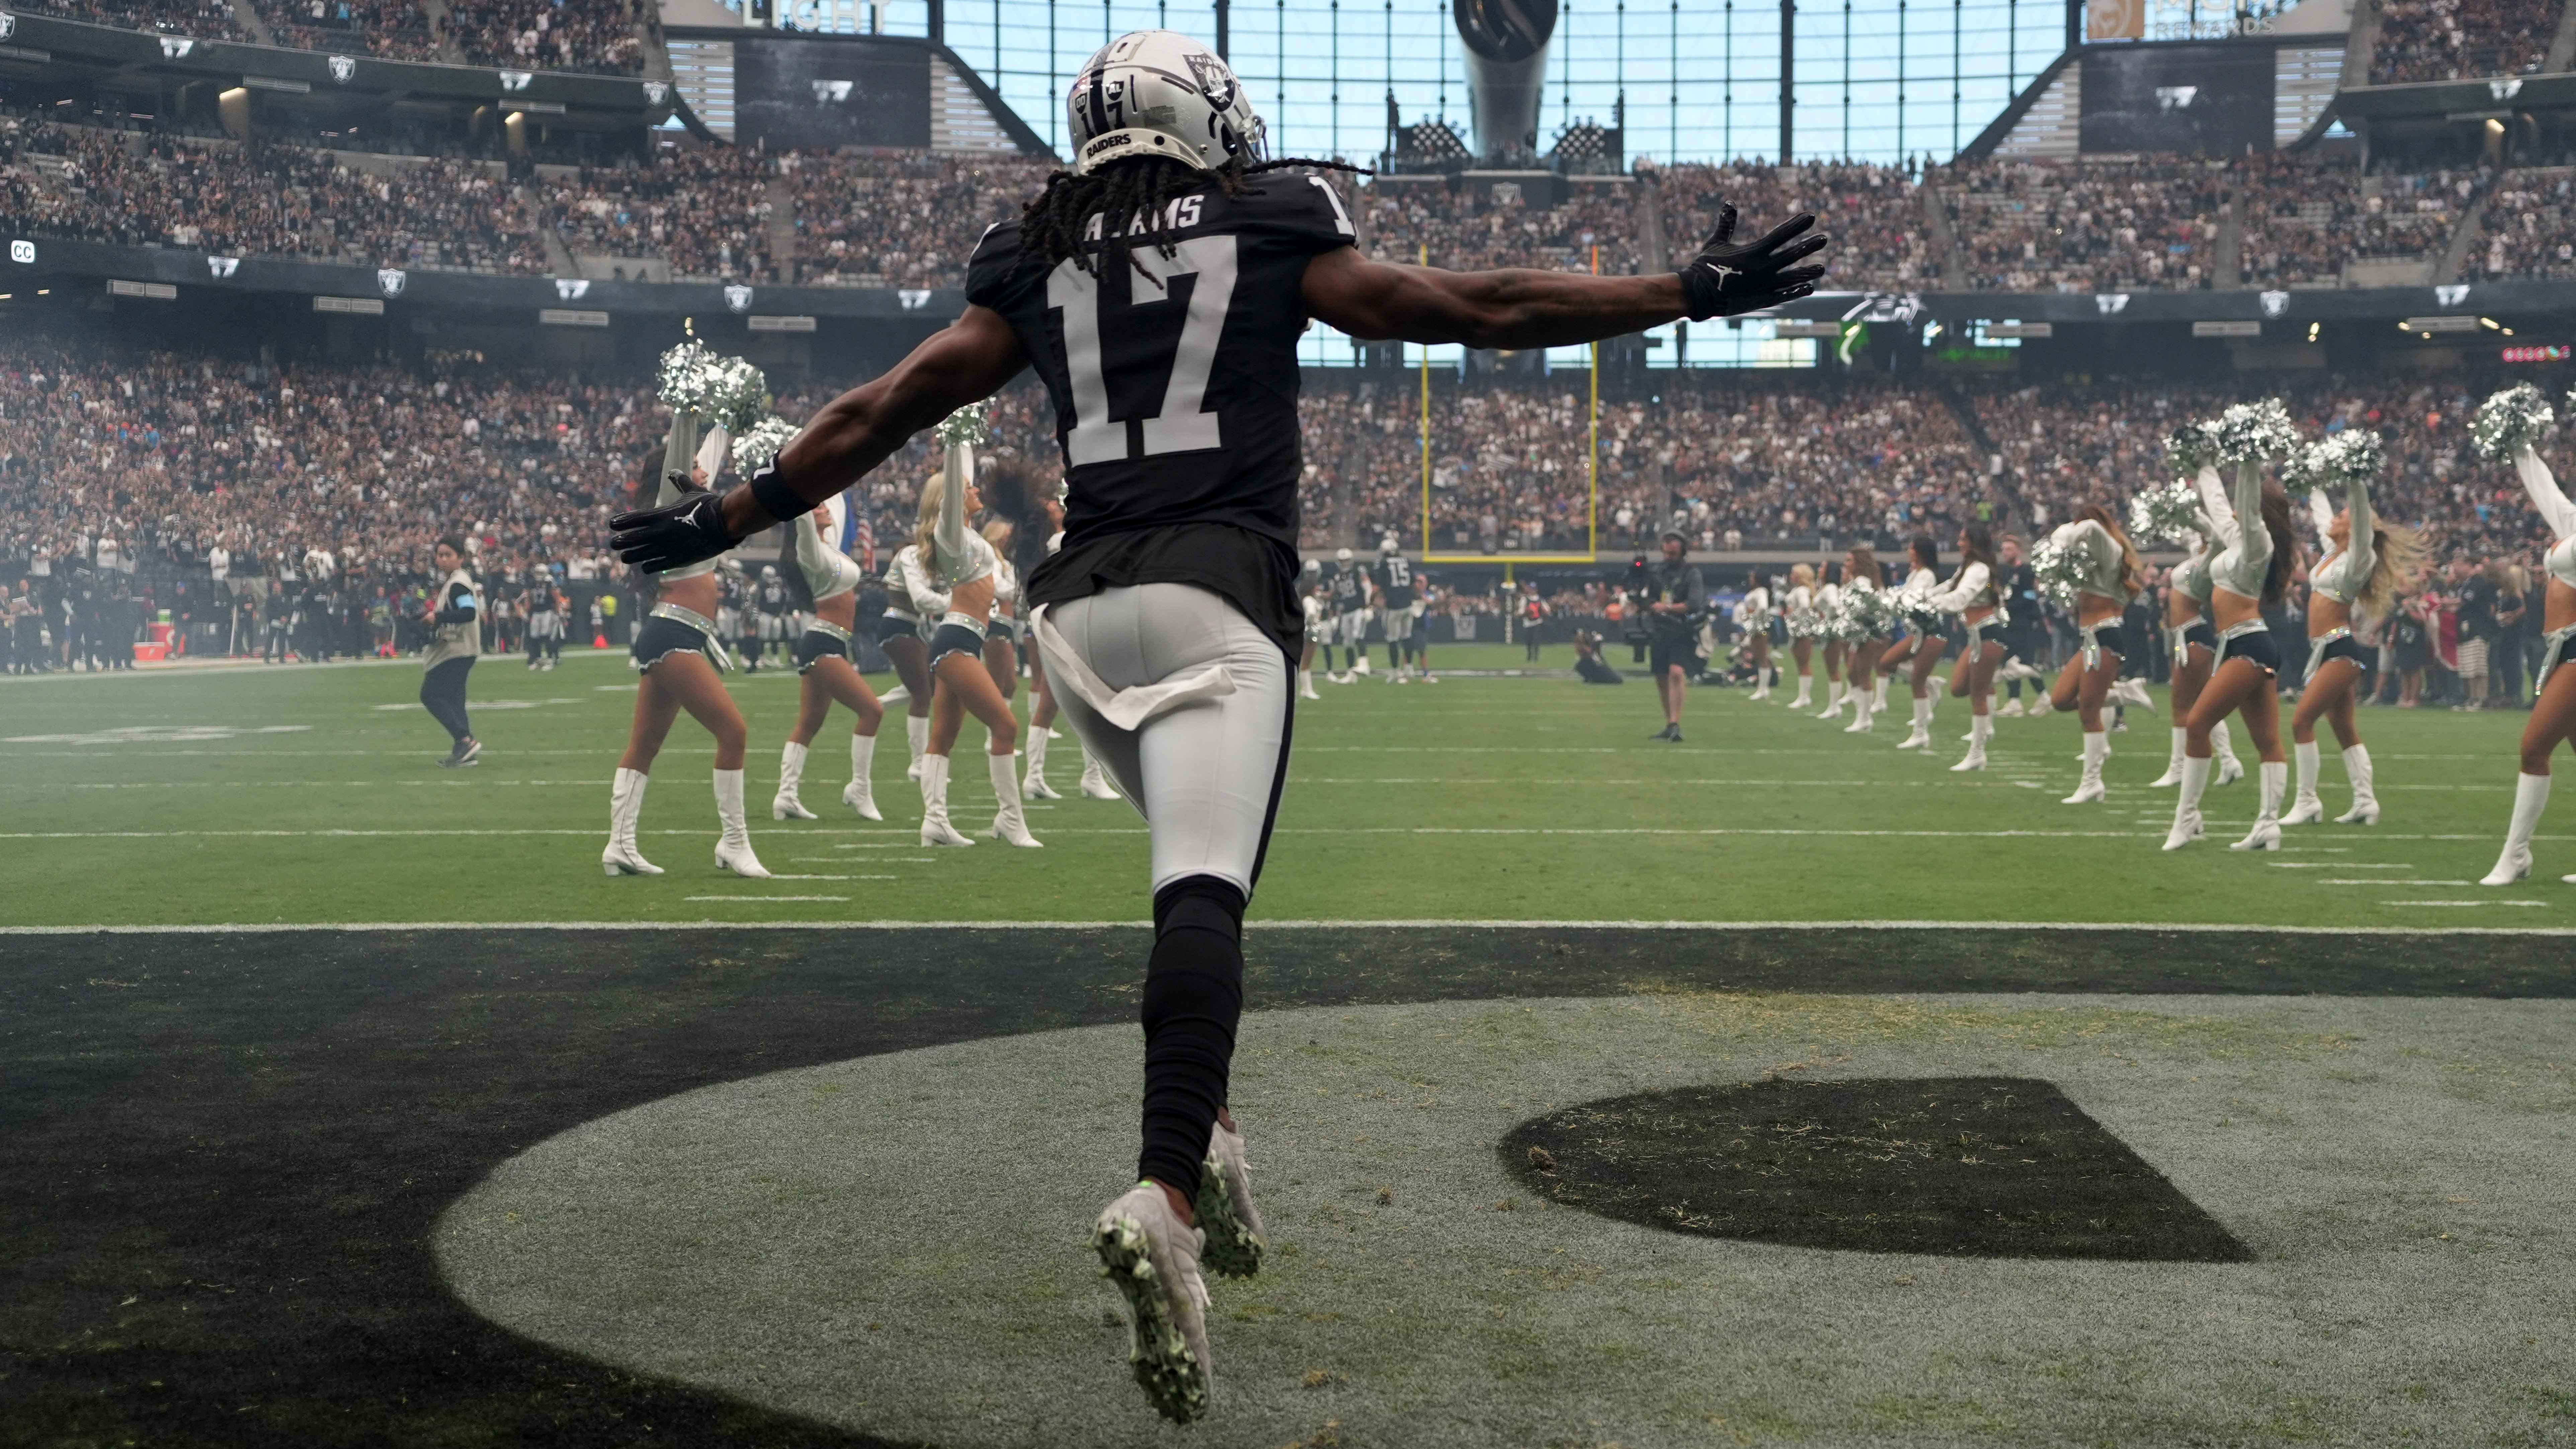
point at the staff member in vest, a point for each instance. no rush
(455, 641)
(1674, 599)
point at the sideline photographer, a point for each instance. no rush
(1674, 600)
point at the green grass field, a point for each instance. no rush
(254, 795)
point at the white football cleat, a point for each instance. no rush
(2133, 693)
(2013, 709)
(1226, 1216)
(1153, 1259)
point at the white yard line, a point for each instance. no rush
(255, 928)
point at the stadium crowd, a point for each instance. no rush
(295, 506)
(900, 220)
(139, 189)
(2434, 40)
(704, 211)
(911, 220)
(595, 36)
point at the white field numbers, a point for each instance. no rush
(1179, 426)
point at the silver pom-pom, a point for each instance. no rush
(2191, 448)
(2512, 420)
(725, 390)
(2335, 462)
(2058, 571)
(969, 425)
(2170, 514)
(2250, 431)
(753, 450)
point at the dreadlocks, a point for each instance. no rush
(1141, 187)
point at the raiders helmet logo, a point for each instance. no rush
(8, 25)
(2275, 303)
(737, 298)
(343, 67)
(391, 279)
(1214, 81)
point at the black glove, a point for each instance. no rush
(673, 536)
(1726, 280)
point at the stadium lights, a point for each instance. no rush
(2312, 330)
(2490, 322)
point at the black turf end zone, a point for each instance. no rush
(222, 1156)
(2000, 1167)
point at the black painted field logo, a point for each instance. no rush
(2001, 1167)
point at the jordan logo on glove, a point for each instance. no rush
(1727, 279)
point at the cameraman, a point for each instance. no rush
(1674, 598)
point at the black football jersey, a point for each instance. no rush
(1175, 389)
(1350, 588)
(1395, 581)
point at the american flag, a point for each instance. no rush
(858, 536)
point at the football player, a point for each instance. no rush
(1351, 606)
(1158, 289)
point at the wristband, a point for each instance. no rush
(774, 496)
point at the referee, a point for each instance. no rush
(455, 640)
(1674, 596)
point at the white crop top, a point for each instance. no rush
(2555, 511)
(710, 457)
(2245, 546)
(829, 573)
(2343, 576)
(1973, 588)
(2089, 541)
(910, 584)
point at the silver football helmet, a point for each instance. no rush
(1160, 93)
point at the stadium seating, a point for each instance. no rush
(598, 36)
(2529, 229)
(900, 220)
(698, 212)
(2434, 40)
(222, 197)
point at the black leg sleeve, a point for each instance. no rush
(1193, 997)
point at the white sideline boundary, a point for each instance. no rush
(2195, 928)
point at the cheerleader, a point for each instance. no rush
(824, 579)
(1017, 524)
(914, 605)
(1753, 614)
(677, 660)
(2194, 642)
(2553, 710)
(961, 681)
(2108, 574)
(1971, 595)
(1033, 781)
(1920, 651)
(1866, 625)
(1829, 605)
(1311, 601)
(2371, 563)
(2251, 569)
(1806, 621)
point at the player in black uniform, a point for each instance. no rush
(1159, 289)
(1392, 580)
(1350, 613)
